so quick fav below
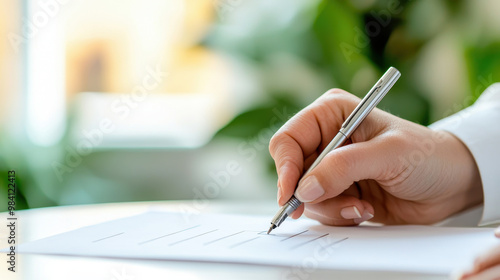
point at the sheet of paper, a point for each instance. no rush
(302, 243)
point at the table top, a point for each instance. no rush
(38, 223)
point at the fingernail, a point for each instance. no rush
(365, 217)
(350, 212)
(310, 189)
(497, 232)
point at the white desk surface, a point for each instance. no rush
(43, 222)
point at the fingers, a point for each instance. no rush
(343, 210)
(488, 274)
(309, 130)
(297, 144)
(341, 167)
(288, 173)
(497, 232)
(485, 265)
(297, 213)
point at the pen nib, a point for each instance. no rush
(271, 228)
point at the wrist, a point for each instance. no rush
(463, 177)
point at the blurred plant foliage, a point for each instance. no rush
(349, 44)
(251, 122)
(300, 49)
(8, 161)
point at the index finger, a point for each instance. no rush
(304, 134)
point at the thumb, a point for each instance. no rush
(342, 167)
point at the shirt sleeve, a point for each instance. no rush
(478, 127)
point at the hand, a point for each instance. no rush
(486, 266)
(393, 170)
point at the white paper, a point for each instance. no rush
(302, 243)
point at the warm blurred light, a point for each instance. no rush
(111, 44)
(45, 97)
(10, 67)
(110, 47)
(112, 52)
(159, 121)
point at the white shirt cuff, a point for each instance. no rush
(478, 127)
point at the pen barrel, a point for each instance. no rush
(370, 101)
(294, 203)
(336, 142)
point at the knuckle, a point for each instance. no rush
(333, 91)
(275, 141)
(341, 164)
(282, 151)
(338, 98)
(399, 140)
(287, 159)
(338, 94)
(351, 200)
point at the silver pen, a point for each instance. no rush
(370, 101)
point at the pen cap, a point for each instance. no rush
(370, 101)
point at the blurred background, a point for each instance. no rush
(109, 101)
